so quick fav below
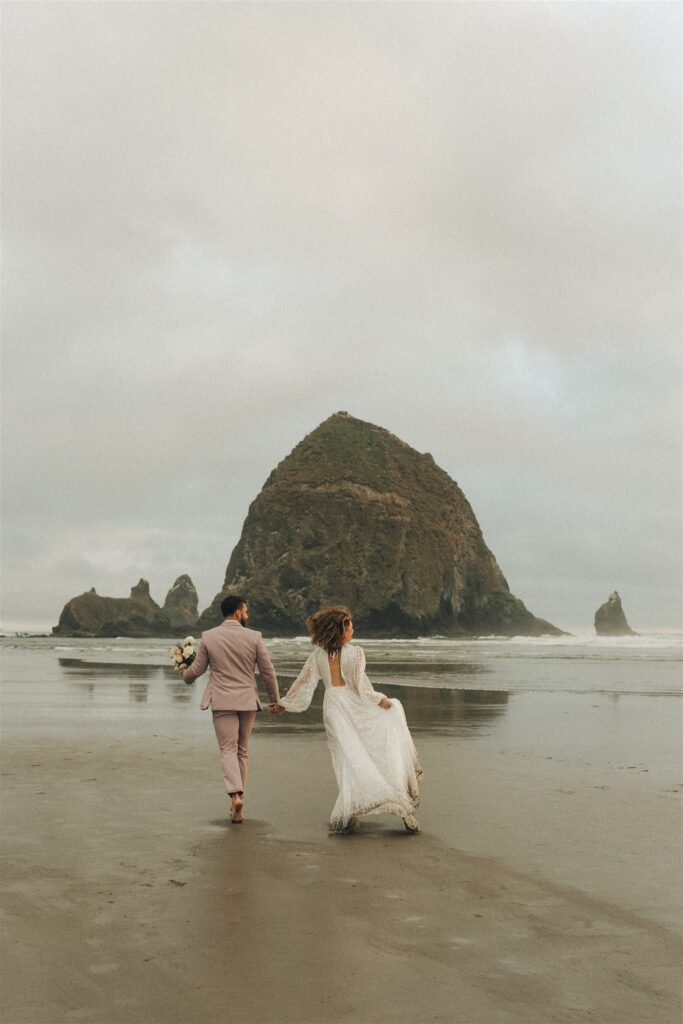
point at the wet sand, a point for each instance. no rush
(544, 888)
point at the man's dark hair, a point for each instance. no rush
(231, 603)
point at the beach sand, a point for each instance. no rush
(544, 888)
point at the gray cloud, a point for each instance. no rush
(224, 222)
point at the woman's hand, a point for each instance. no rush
(385, 703)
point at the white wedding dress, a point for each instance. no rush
(373, 755)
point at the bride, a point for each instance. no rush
(373, 756)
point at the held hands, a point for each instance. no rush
(385, 703)
(276, 709)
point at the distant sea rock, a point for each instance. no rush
(90, 615)
(181, 606)
(610, 619)
(354, 515)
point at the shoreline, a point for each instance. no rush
(581, 633)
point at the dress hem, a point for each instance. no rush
(341, 824)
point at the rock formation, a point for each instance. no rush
(610, 619)
(355, 515)
(181, 606)
(139, 615)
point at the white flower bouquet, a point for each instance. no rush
(183, 653)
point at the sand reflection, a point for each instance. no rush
(100, 678)
(434, 709)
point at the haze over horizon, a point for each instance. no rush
(225, 222)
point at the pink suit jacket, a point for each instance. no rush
(232, 652)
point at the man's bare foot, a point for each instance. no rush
(237, 815)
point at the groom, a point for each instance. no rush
(232, 652)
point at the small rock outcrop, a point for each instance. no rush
(610, 619)
(355, 515)
(181, 606)
(90, 615)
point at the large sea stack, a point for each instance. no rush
(610, 618)
(354, 515)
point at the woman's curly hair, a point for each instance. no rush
(327, 626)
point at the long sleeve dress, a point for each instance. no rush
(373, 755)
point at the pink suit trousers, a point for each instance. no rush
(233, 729)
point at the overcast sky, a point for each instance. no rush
(225, 221)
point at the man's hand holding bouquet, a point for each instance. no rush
(183, 653)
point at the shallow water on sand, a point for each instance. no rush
(616, 700)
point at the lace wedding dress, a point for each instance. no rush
(373, 755)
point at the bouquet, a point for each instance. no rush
(183, 653)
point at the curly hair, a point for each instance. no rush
(327, 626)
